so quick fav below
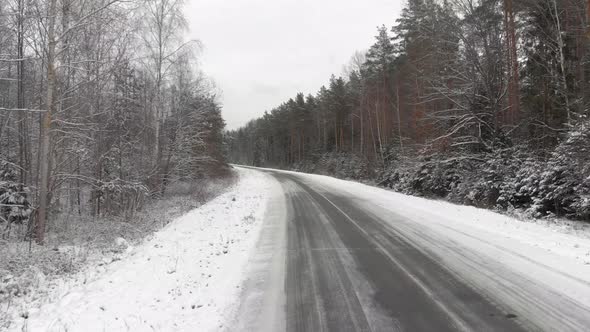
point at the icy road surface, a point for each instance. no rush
(358, 258)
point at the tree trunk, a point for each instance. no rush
(561, 45)
(399, 121)
(513, 83)
(352, 131)
(22, 116)
(45, 153)
(362, 124)
(379, 132)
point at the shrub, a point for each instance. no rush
(14, 203)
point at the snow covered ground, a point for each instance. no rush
(187, 277)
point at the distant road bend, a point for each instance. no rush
(331, 259)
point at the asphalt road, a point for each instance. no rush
(346, 268)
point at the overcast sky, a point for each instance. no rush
(262, 52)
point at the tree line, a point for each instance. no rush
(482, 102)
(101, 104)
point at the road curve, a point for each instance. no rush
(348, 265)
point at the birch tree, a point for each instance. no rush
(98, 79)
(163, 26)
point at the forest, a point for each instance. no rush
(479, 102)
(102, 107)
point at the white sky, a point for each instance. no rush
(262, 52)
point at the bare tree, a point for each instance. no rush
(162, 35)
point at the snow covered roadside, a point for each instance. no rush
(187, 277)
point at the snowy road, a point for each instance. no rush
(357, 258)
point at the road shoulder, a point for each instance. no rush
(187, 277)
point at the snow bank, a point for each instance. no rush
(187, 277)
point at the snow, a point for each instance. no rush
(187, 277)
(263, 298)
(209, 269)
